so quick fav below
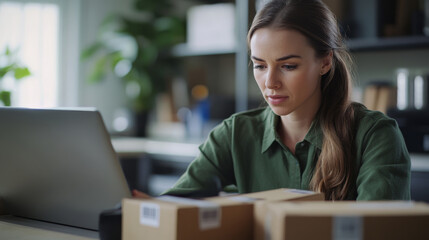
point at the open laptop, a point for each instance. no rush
(58, 165)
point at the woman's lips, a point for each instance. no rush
(276, 99)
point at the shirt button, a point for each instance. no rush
(302, 144)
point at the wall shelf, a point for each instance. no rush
(388, 43)
(182, 50)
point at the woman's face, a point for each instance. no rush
(287, 71)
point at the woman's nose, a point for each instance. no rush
(272, 81)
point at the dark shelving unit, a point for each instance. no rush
(388, 43)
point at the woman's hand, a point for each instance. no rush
(138, 194)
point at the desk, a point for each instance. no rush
(141, 156)
(25, 229)
(135, 147)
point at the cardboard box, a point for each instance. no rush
(347, 220)
(180, 218)
(228, 217)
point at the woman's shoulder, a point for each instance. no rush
(252, 121)
(364, 114)
(367, 119)
(249, 120)
(252, 115)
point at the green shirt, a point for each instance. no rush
(245, 151)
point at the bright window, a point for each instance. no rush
(32, 29)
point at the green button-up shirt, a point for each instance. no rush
(246, 151)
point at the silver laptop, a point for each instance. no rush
(58, 165)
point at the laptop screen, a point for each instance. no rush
(58, 165)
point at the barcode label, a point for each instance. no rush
(149, 214)
(209, 217)
(347, 228)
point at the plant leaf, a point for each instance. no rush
(98, 71)
(21, 72)
(116, 57)
(5, 70)
(90, 51)
(5, 97)
(8, 52)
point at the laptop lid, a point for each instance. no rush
(58, 165)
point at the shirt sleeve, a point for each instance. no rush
(212, 169)
(384, 172)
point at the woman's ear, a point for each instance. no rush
(326, 63)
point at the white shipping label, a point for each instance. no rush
(347, 228)
(149, 214)
(210, 217)
(243, 199)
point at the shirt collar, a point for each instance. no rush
(314, 135)
(271, 122)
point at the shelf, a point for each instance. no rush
(395, 43)
(182, 50)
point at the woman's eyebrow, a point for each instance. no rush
(257, 59)
(287, 57)
(278, 59)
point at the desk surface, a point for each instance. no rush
(25, 229)
(132, 147)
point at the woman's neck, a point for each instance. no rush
(292, 129)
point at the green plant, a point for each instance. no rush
(10, 67)
(132, 49)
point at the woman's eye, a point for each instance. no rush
(289, 67)
(258, 66)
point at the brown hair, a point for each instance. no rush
(334, 173)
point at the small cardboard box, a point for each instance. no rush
(347, 220)
(170, 218)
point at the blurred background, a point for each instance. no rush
(166, 72)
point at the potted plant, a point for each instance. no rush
(133, 48)
(10, 67)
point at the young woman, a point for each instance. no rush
(311, 136)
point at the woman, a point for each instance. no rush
(311, 136)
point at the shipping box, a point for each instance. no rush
(171, 218)
(373, 220)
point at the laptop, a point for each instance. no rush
(58, 165)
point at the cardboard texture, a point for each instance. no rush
(347, 220)
(171, 218)
(260, 207)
